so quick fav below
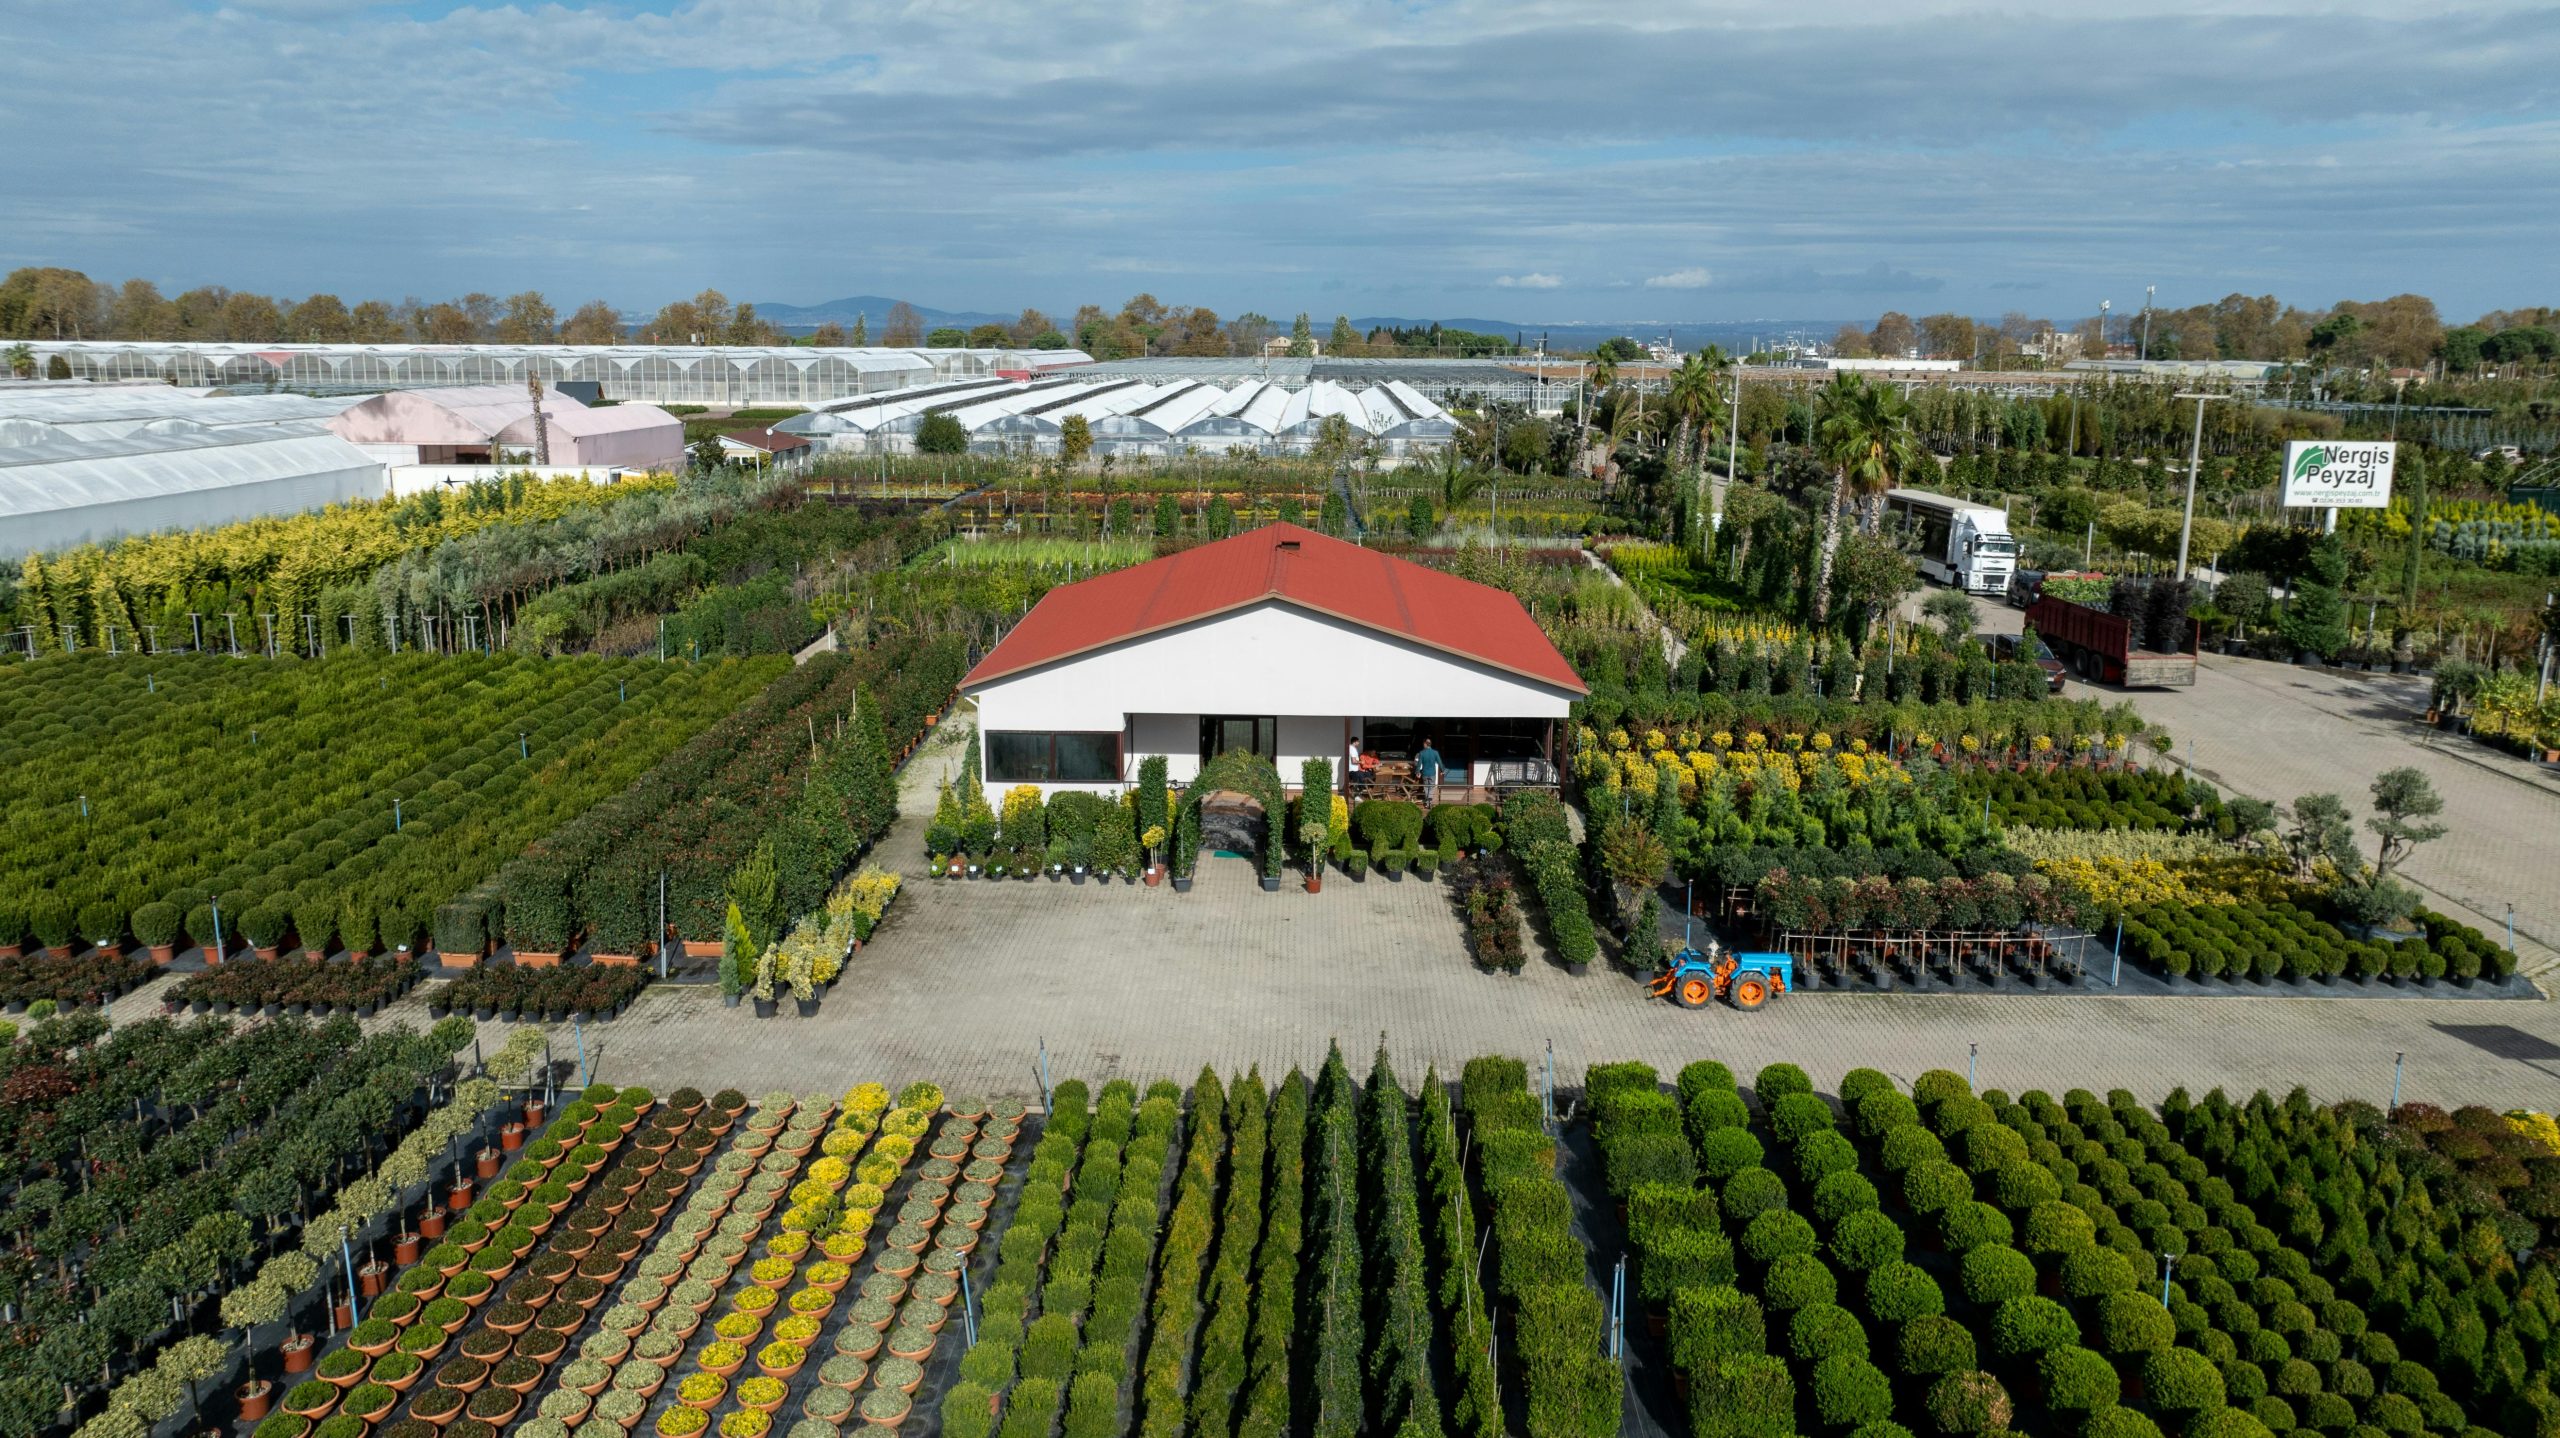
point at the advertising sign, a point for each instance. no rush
(2338, 474)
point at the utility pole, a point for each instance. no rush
(2104, 307)
(541, 426)
(2146, 320)
(2195, 462)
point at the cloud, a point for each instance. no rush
(1838, 173)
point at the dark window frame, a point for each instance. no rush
(1049, 768)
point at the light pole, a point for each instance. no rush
(2195, 461)
(2146, 320)
(2104, 307)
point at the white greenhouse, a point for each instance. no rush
(60, 489)
(661, 374)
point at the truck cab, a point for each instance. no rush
(1981, 549)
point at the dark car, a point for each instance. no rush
(2023, 585)
(2004, 647)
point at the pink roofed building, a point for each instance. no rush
(474, 424)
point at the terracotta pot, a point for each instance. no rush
(269, 952)
(257, 1397)
(375, 1350)
(534, 1112)
(163, 953)
(538, 959)
(371, 1276)
(405, 1248)
(490, 1161)
(461, 1194)
(431, 1223)
(510, 1139)
(724, 1369)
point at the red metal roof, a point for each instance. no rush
(1289, 565)
(771, 441)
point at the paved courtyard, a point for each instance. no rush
(2276, 732)
(967, 980)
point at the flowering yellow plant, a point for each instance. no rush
(865, 1197)
(788, 1245)
(2538, 1127)
(831, 1172)
(867, 1098)
(705, 1387)
(754, 1300)
(737, 1327)
(746, 1423)
(799, 1328)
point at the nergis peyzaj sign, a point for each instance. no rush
(2338, 474)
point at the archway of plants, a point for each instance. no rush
(1238, 771)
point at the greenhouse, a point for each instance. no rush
(677, 374)
(62, 490)
(1134, 418)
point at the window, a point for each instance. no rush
(1222, 732)
(1029, 757)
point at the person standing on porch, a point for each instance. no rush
(1426, 767)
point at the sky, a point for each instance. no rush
(1530, 160)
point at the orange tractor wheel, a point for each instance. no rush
(1750, 992)
(1694, 992)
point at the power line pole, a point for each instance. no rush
(2195, 462)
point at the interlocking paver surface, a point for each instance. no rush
(967, 981)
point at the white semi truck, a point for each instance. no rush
(1962, 544)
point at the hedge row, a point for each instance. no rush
(987, 1370)
(1221, 1372)
(1128, 1256)
(1475, 1399)
(1267, 1410)
(1572, 1389)
(1175, 1318)
(1337, 1348)
(1534, 827)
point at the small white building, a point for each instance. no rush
(1279, 640)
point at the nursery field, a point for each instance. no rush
(338, 799)
(1327, 1255)
(1936, 1260)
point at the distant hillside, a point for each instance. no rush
(875, 307)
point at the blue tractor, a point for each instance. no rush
(1693, 978)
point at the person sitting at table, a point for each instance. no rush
(1426, 767)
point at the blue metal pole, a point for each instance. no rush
(1044, 1071)
(1972, 1056)
(395, 816)
(217, 926)
(346, 1253)
(2397, 1060)
(968, 1306)
(2164, 1280)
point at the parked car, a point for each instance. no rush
(2004, 647)
(2023, 585)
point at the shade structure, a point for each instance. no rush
(65, 490)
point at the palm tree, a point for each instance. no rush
(1692, 397)
(1863, 431)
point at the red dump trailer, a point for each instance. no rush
(2092, 642)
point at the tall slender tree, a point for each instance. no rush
(1863, 432)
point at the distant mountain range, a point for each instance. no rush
(875, 308)
(1734, 335)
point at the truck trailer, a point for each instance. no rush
(1962, 544)
(2092, 642)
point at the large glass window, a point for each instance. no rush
(1259, 734)
(1032, 757)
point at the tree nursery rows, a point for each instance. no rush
(318, 1235)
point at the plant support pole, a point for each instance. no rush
(2398, 1060)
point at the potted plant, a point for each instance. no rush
(158, 925)
(255, 1397)
(885, 1407)
(682, 1422)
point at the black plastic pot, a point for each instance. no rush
(1182, 883)
(1271, 883)
(767, 1008)
(728, 1001)
(485, 1012)
(808, 1008)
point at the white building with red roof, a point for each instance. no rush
(1283, 641)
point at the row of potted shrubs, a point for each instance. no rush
(359, 986)
(2265, 941)
(508, 993)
